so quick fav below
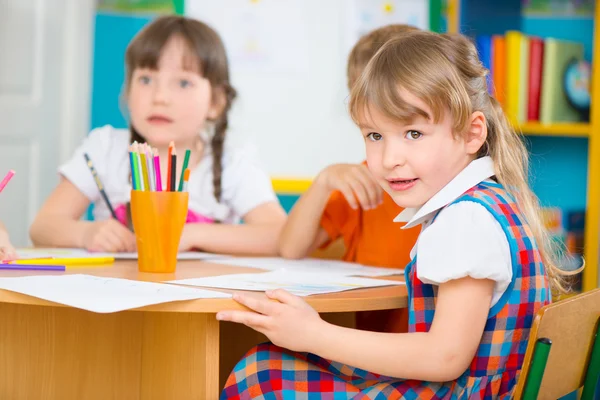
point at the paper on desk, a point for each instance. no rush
(26, 253)
(298, 283)
(313, 265)
(102, 295)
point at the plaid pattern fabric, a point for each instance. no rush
(270, 372)
(504, 341)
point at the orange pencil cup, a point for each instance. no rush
(158, 219)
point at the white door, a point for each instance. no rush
(45, 59)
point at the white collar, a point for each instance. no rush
(476, 172)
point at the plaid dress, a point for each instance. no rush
(270, 372)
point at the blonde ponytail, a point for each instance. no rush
(511, 162)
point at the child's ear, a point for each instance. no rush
(476, 133)
(218, 103)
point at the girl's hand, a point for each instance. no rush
(288, 322)
(186, 243)
(7, 252)
(109, 236)
(355, 182)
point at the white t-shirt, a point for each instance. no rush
(245, 185)
(465, 239)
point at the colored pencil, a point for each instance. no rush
(150, 162)
(26, 259)
(186, 178)
(173, 168)
(186, 160)
(169, 166)
(144, 169)
(6, 179)
(32, 267)
(90, 165)
(157, 171)
(138, 163)
(67, 261)
(133, 164)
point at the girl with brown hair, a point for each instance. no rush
(177, 90)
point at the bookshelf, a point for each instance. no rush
(590, 131)
(562, 129)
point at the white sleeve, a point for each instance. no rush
(97, 147)
(245, 184)
(464, 240)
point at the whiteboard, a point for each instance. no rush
(288, 64)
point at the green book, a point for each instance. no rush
(554, 105)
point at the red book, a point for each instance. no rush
(536, 60)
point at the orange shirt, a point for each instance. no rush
(371, 237)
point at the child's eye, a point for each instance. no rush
(374, 136)
(413, 135)
(184, 83)
(144, 79)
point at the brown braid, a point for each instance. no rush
(218, 141)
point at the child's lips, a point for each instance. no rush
(159, 120)
(400, 185)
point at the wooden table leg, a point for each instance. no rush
(180, 356)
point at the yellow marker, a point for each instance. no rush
(67, 261)
(388, 7)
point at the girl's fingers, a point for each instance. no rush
(109, 242)
(248, 318)
(361, 194)
(373, 190)
(263, 306)
(285, 297)
(348, 193)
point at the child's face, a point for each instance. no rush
(413, 162)
(171, 103)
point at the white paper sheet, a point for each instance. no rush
(300, 284)
(310, 265)
(102, 295)
(80, 253)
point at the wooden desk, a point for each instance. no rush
(165, 351)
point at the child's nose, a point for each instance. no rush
(393, 156)
(161, 94)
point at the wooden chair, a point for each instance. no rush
(568, 329)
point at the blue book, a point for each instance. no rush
(485, 50)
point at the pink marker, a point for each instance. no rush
(7, 178)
